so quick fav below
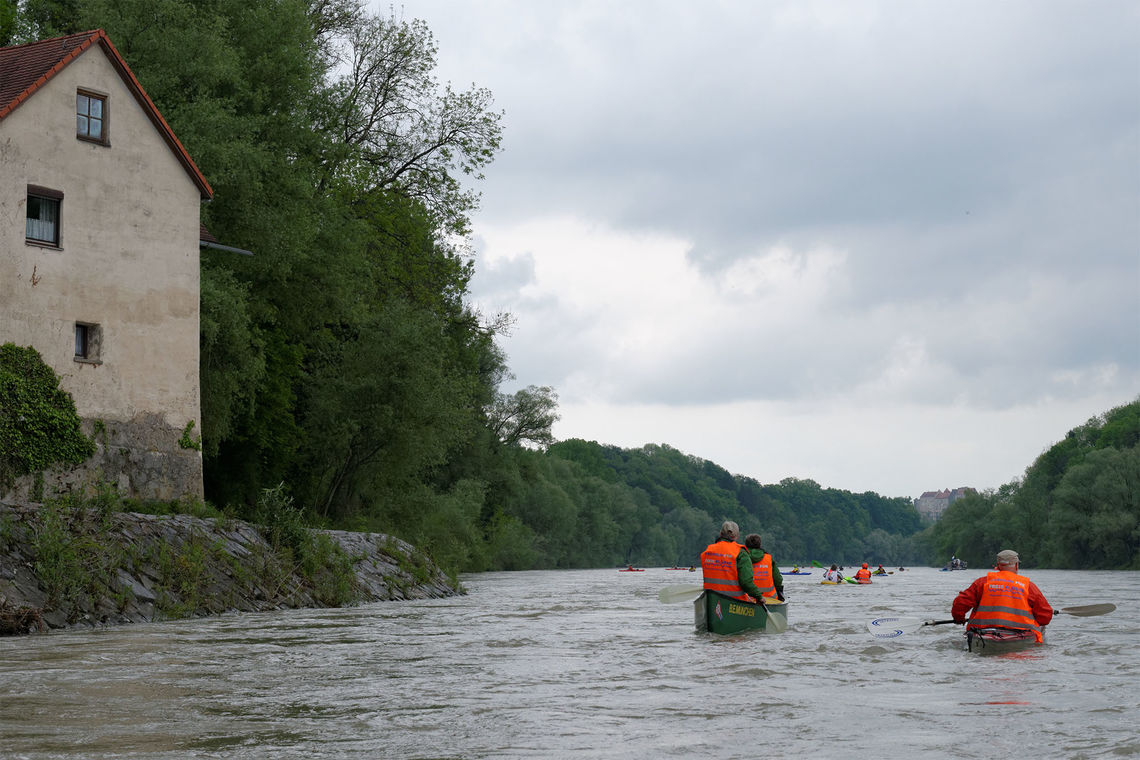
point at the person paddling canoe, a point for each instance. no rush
(727, 566)
(765, 575)
(1004, 599)
(725, 562)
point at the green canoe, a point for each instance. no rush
(718, 613)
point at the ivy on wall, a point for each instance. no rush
(38, 423)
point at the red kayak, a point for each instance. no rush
(632, 570)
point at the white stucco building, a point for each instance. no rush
(99, 258)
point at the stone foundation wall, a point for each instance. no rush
(142, 458)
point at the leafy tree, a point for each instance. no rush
(392, 128)
(8, 21)
(525, 416)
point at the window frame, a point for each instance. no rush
(52, 196)
(104, 138)
(91, 344)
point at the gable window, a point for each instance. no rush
(43, 215)
(91, 117)
(88, 342)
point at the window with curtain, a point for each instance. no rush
(43, 215)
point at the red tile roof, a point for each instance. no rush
(24, 69)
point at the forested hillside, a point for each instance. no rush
(683, 500)
(1078, 505)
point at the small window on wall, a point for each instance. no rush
(43, 216)
(91, 117)
(88, 342)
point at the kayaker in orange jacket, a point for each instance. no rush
(863, 574)
(1004, 599)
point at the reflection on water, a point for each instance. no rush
(583, 664)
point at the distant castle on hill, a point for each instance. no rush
(932, 504)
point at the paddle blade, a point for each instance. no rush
(893, 627)
(1088, 610)
(674, 594)
(777, 616)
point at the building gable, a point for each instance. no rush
(27, 68)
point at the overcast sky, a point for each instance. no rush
(888, 246)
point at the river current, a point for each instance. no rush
(585, 664)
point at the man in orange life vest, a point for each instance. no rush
(727, 565)
(863, 574)
(1004, 599)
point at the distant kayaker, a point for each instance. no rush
(863, 574)
(881, 570)
(833, 575)
(725, 563)
(766, 576)
(1004, 599)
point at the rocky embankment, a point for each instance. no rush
(61, 568)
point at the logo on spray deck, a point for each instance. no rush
(716, 609)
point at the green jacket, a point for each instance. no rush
(744, 562)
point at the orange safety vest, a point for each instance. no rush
(1005, 604)
(718, 563)
(762, 576)
(862, 574)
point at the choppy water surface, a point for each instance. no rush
(584, 664)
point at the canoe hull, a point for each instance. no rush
(999, 640)
(717, 613)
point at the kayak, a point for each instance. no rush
(789, 572)
(999, 640)
(717, 613)
(632, 570)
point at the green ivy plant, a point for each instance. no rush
(38, 423)
(187, 441)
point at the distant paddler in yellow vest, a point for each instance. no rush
(765, 575)
(726, 564)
